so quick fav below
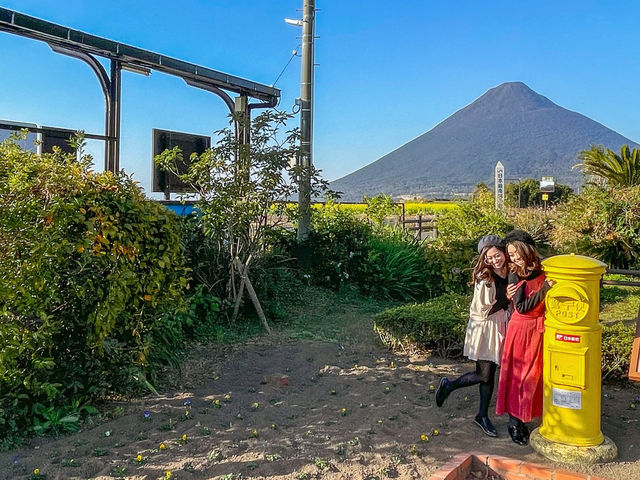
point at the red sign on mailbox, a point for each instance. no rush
(561, 337)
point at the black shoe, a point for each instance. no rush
(516, 435)
(524, 431)
(443, 392)
(487, 427)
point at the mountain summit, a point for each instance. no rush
(527, 132)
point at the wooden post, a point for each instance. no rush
(634, 364)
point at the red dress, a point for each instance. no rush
(520, 384)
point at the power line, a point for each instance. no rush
(294, 52)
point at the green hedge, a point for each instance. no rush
(438, 324)
(91, 274)
(617, 340)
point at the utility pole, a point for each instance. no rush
(306, 121)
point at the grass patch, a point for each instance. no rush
(619, 304)
(324, 315)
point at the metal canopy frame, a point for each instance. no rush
(84, 46)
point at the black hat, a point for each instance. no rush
(519, 236)
(490, 241)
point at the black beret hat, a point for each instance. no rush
(519, 236)
(490, 241)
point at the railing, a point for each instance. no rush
(633, 273)
(423, 225)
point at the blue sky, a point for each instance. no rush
(388, 71)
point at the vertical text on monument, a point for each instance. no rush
(499, 185)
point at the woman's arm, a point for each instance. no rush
(524, 304)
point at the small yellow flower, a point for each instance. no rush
(162, 446)
(147, 298)
(431, 387)
(184, 437)
(387, 389)
(36, 471)
(254, 433)
(633, 405)
(436, 433)
(167, 474)
(255, 405)
(343, 411)
(424, 438)
(273, 426)
(80, 249)
(139, 458)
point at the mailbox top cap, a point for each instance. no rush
(574, 262)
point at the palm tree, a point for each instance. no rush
(615, 170)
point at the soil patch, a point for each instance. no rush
(302, 410)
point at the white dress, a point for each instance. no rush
(485, 333)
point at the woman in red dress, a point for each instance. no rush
(520, 383)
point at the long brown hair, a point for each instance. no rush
(482, 271)
(529, 254)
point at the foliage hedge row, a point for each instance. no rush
(380, 260)
(604, 223)
(91, 273)
(617, 341)
(439, 325)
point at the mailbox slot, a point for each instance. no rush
(567, 367)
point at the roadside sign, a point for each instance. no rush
(547, 185)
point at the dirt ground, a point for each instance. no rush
(298, 410)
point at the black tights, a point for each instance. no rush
(484, 376)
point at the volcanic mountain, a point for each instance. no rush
(527, 132)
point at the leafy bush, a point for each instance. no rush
(395, 267)
(336, 251)
(380, 207)
(90, 269)
(472, 220)
(535, 221)
(277, 283)
(602, 223)
(438, 324)
(449, 266)
(617, 340)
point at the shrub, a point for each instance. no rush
(379, 208)
(617, 340)
(536, 221)
(438, 324)
(449, 266)
(90, 269)
(395, 267)
(602, 223)
(472, 220)
(337, 248)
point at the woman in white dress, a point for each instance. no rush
(488, 317)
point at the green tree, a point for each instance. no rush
(237, 185)
(526, 193)
(610, 168)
